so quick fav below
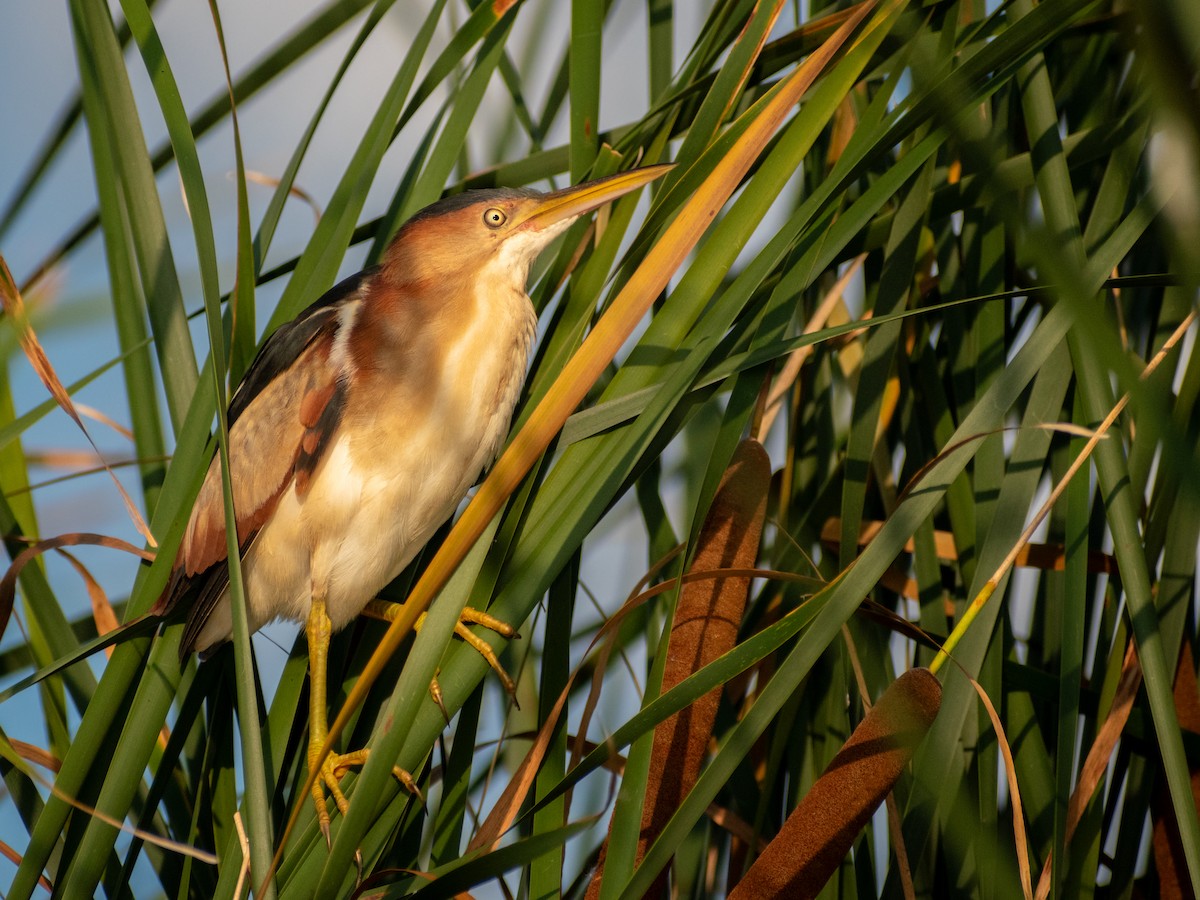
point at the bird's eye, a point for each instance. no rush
(494, 218)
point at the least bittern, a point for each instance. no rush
(361, 424)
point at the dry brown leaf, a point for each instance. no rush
(726, 818)
(102, 612)
(64, 459)
(1014, 791)
(1106, 739)
(1098, 756)
(295, 190)
(845, 121)
(8, 584)
(896, 835)
(104, 419)
(14, 308)
(36, 755)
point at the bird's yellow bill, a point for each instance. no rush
(582, 198)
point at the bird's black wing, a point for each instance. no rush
(285, 345)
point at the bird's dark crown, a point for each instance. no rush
(456, 202)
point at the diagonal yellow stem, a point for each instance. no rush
(1098, 435)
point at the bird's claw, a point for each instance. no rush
(480, 646)
(388, 611)
(333, 767)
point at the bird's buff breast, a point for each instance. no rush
(392, 476)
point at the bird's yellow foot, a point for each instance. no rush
(387, 611)
(329, 771)
(332, 768)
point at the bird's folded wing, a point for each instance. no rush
(264, 446)
(281, 419)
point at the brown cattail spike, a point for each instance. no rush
(820, 831)
(707, 618)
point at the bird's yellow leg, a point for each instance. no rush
(317, 630)
(388, 612)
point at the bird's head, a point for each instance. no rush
(496, 234)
